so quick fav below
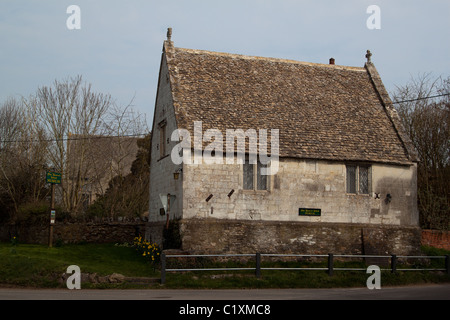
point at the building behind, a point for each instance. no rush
(92, 161)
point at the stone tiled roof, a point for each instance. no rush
(322, 111)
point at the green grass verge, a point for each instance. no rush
(40, 266)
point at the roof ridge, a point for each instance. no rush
(279, 60)
(391, 112)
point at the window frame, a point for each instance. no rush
(255, 175)
(357, 181)
(162, 138)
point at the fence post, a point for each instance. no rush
(258, 265)
(330, 264)
(163, 268)
(447, 263)
(393, 263)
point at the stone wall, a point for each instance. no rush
(154, 232)
(162, 181)
(232, 236)
(75, 232)
(298, 184)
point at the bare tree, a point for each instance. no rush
(69, 128)
(88, 137)
(124, 125)
(68, 108)
(424, 108)
(22, 157)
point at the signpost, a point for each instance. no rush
(52, 178)
(309, 212)
(167, 200)
(52, 216)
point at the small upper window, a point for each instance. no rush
(358, 179)
(162, 138)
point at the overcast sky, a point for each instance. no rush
(118, 47)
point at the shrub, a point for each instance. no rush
(33, 212)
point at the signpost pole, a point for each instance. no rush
(52, 178)
(168, 211)
(52, 208)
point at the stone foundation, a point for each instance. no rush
(232, 236)
(154, 232)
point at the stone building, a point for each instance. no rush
(345, 172)
(92, 161)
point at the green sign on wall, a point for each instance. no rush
(53, 177)
(309, 212)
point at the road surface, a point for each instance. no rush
(424, 292)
